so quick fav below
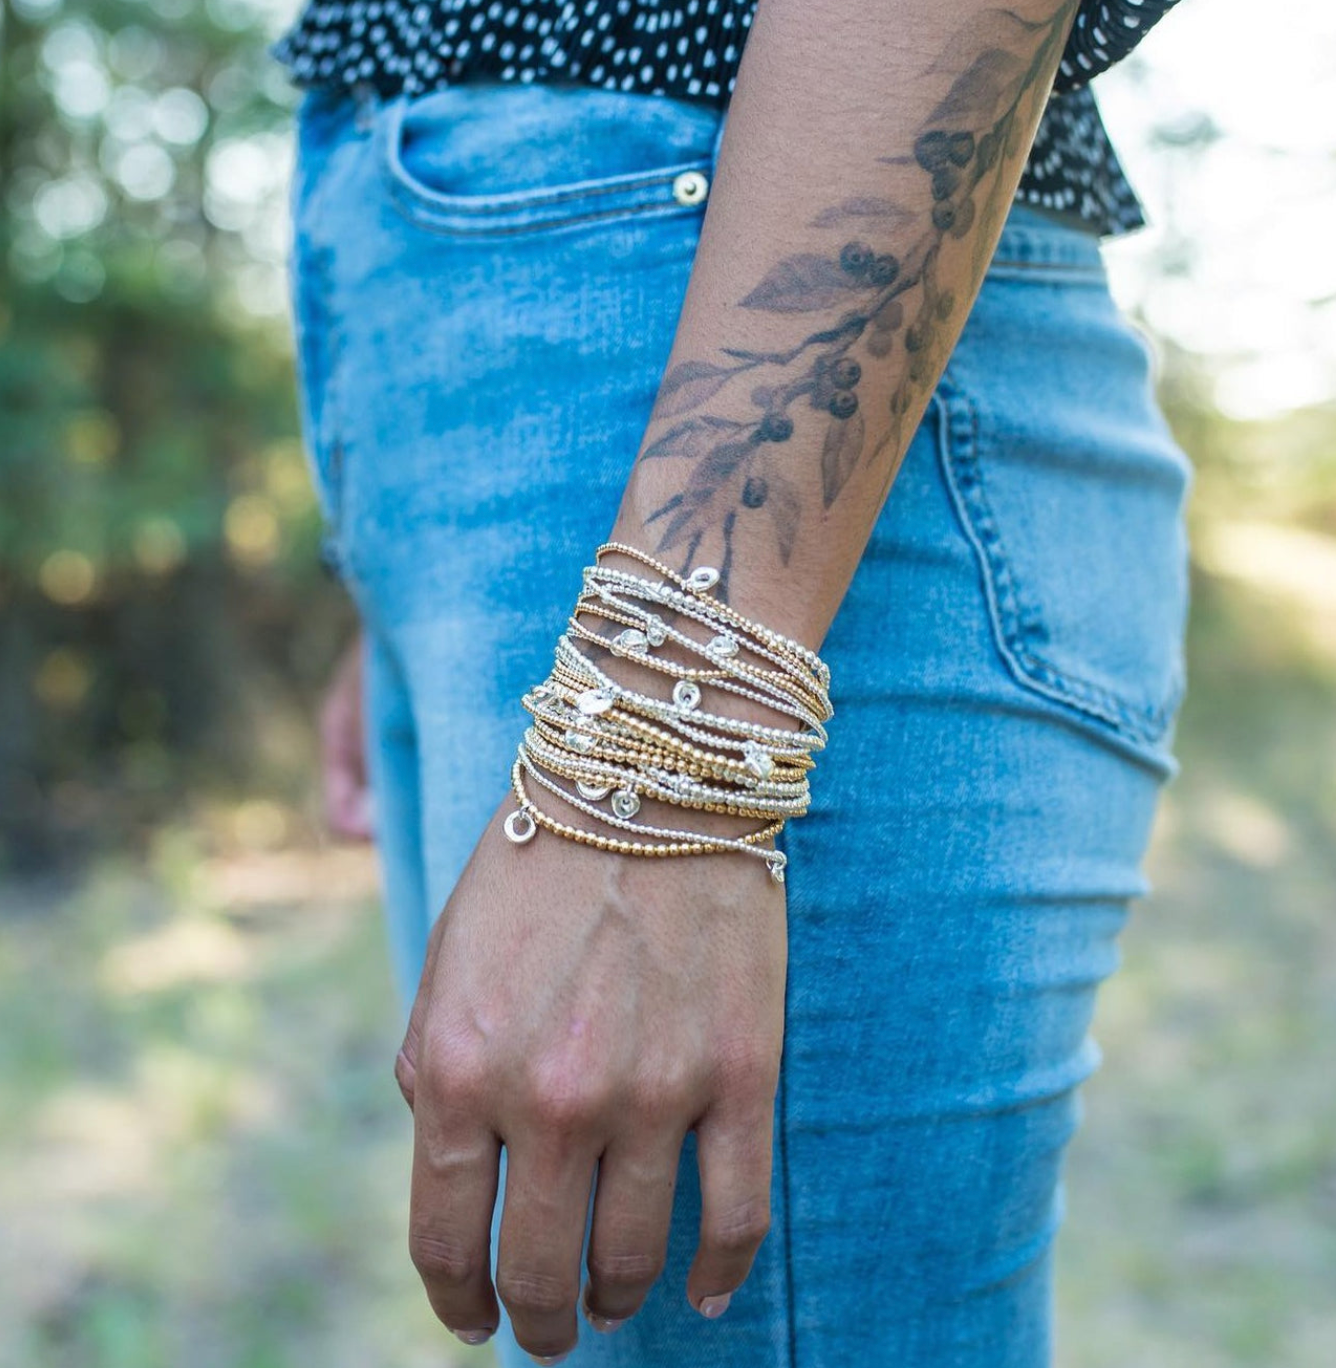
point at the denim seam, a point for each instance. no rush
(445, 229)
(785, 1184)
(960, 462)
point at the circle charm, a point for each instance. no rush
(515, 832)
(703, 577)
(723, 645)
(686, 694)
(625, 803)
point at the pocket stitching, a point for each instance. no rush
(958, 446)
(434, 210)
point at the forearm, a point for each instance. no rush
(871, 153)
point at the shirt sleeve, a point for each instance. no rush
(1103, 33)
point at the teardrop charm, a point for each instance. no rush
(594, 792)
(758, 760)
(595, 701)
(703, 577)
(775, 862)
(723, 645)
(625, 803)
(686, 694)
(632, 640)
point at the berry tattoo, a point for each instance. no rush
(880, 309)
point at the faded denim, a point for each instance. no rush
(486, 283)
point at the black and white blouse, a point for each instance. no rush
(690, 49)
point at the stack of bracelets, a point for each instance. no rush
(616, 745)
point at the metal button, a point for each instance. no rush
(690, 187)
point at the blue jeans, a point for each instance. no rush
(486, 283)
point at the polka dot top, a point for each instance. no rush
(690, 49)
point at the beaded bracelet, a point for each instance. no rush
(617, 744)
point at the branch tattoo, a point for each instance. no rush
(880, 306)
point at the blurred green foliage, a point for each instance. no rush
(207, 1157)
(157, 531)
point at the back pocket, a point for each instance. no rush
(504, 157)
(1071, 490)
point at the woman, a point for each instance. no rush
(878, 395)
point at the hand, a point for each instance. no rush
(343, 750)
(588, 1009)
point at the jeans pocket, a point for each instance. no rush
(508, 158)
(1071, 491)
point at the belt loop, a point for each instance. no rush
(367, 102)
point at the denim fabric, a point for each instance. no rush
(486, 286)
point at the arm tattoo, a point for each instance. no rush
(880, 307)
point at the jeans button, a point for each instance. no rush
(690, 187)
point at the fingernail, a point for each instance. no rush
(473, 1336)
(605, 1325)
(713, 1307)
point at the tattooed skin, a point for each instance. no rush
(885, 311)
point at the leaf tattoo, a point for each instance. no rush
(883, 306)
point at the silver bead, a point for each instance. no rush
(703, 577)
(625, 803)
(686, 694)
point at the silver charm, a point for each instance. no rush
(595, 701)
(723, 645)
(686, 694)
(541, 691)
(775, 862)
(703, 577)
(655, 631)
(520, 827)
(632, 640)
(579, 741)
(758, 759)
(625, 803)
(594, 792)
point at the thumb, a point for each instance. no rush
(405, 1062)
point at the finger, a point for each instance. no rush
(343, 751)
(628, 1241)
(405, 1062)
(733, 1153)
(456, 1168)
(548, 1180)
